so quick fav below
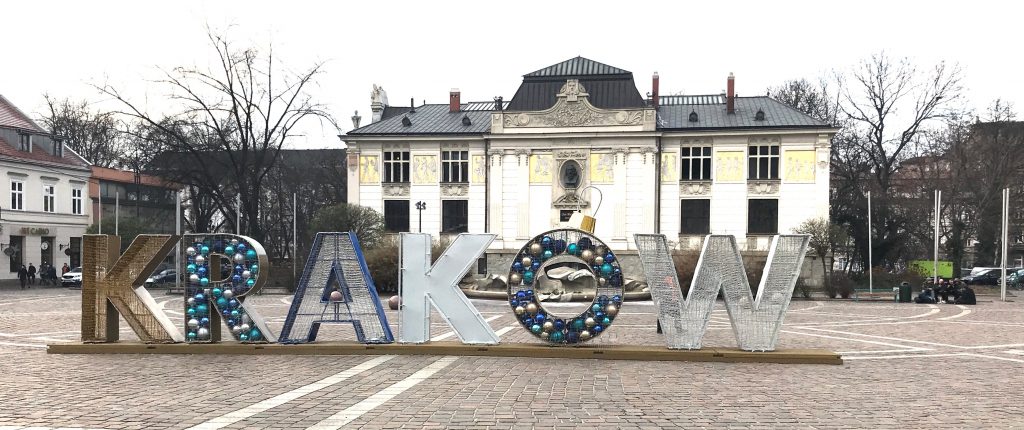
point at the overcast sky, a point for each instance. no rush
(422, 49)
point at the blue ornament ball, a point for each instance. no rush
(222, 302)
(191, 335)
(236, 279)
(250, 282)
(585, 243)
(559, 246)
(517, 266)
(233, 303)
(205, 250)
(609, 257)
(556, 337)
(617, 299)
(546, 242)
(521, 295)
(574, 249)
(202, 271)
(559, 325)
(241, 247)
(239, 269)
(226, 312)
(548, 254)
(254, 334)
(204, 281)
(606, 321)
(251, 255)
(528, 277)
(595, 307)
(191, 311)
(606, 269)
(578, 324)
(254, 268)
(217, 292)
(572, 337)
(535, 328)
(243, 337)
(597, 329)
(535, 266)
(539, 318)
(204, 321)
(199, 297)
(201, 310)
(234, 313)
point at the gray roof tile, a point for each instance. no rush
(714, 116)
(430, 119)
(578, 66)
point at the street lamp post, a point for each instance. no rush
(420, 206)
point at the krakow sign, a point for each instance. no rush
(336, 288)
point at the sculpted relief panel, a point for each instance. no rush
(574, 110)
(424, 169)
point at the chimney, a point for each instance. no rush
(730, 96)
(454, 104)
(412, 104)
(654, 91)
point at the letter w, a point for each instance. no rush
(755, 321)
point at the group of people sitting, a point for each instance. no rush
(960, 292)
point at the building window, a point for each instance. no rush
(696, 163)
(396, 166)
(17, 195)
(696, 216)
(396, 216)
(763, 162)
(17, 259)
(48, 197)
(454, 216)
(76, 201)
(763, 216)
(455, 166)
(25, 142)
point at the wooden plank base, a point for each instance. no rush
(600, 352)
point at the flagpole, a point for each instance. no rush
(871, 275)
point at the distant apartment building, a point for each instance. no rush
(43, 214)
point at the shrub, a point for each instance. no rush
(382, 260)
(802, 288)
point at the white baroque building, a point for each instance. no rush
(43, 212)
(682, 166)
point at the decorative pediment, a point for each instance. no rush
(570, 201)
(573, 109)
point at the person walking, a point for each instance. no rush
(64, 269)
(31, 274)
(23, 276)
(51, 272)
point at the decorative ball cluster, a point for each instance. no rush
(204, 296)
(527, 307)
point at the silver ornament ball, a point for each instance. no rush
(193, 323)
(200, 259)
(190, 251)
(191, 301)
(228, 294)
(245, 327)
(239, 258)
(246, 274)
(590, 322)
(203, 333)
(584, 335)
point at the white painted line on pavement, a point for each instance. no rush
(25, 345)
(964, 311)
(357, 410)
(891, 357)
(1014, 351)
(452, 333)
(882, 337)
(879, 351)
(280, 399)
(1015, 360)
(504, 330)
(908, 348)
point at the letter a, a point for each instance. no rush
(420, 285)
(336, 288)
(755, 321)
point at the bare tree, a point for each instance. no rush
(248, 107)
(93, 134)
(888, 103)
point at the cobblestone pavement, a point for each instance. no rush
(907, 366)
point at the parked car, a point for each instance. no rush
(72, 279)
(986, 275)
(165, 276)
(1016, 279)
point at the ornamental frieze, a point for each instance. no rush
(573, 109)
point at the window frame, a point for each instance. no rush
(763, 162)
(396, 170)
(389, 221)
(17, 195)
(706, 219)
(449, 220)
(704, 161)
(49, 198)
(77, 207)
(751, 213)
(455, 170)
